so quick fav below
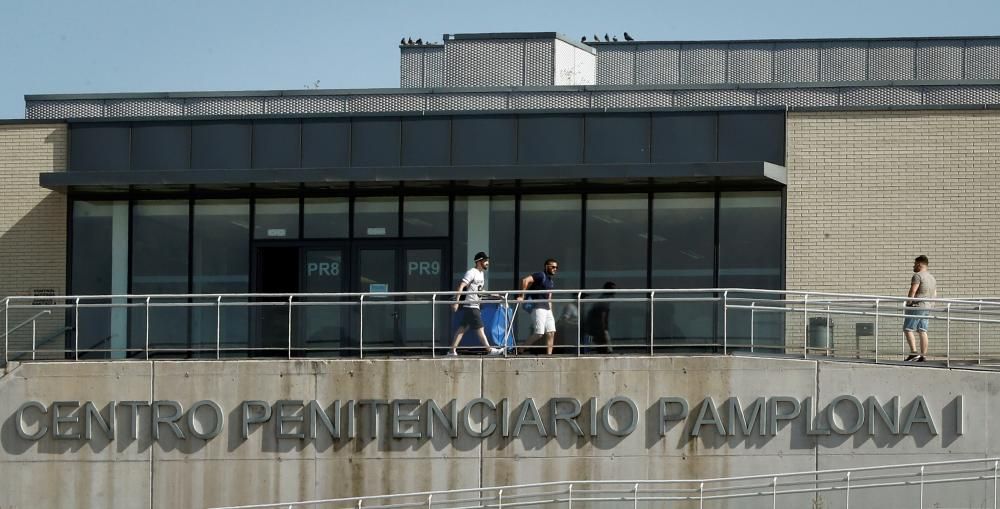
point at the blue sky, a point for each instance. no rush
(79, 46)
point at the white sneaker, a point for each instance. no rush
(496, 351)
(452, 353)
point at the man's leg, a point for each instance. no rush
(550, 341)
(458, 339)
(923, 342)
(910, 340)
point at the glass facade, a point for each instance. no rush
(659, 240)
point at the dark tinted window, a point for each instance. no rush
(617, 138)
(162, 146)
(103, 147)
(426, 141)
(220, 145)
(276, 144)
(752, 136)
(375, 141)
(483, 140)
(550, 139)
(326, 143)
(684, 137)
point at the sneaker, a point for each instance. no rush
(921, 358)
(452, 353)
(496, 351)
(910, 358)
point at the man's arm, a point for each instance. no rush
(913, 293)
(461, 286)
(525, 283)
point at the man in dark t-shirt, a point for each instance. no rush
(543, 323)
(597, 320)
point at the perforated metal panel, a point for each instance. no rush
(305, 104)
(880, 96)
(586, 68)
(939, 60)
(712, 98)
(797, 97)
(796, 62)
(702, 63)
(892, 60)
(64, 109)
(467, 101)
(144, 107)
(633, 99)
(982, 60)
(538, 64)
(411, 67)
(750, 63)
(378, 103)
(843, 61)
(549, 100)
(658, 65)
(479, 63)
(615, 64)
(224, 106)
(434, 67)
(962, 95)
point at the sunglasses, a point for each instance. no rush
(555, 267)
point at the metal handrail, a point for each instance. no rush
(718, 488)
(729, 304)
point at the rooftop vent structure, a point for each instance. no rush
(533, 59)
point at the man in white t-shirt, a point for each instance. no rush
(469, 288)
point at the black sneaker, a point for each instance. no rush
(920, 358)
(912, 357)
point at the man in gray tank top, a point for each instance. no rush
(922, 284)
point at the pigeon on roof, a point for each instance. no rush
(409, 42)
(420, 42)
(628, 37)
(614, 38)
(402, 42)
(606, 39)
(583, 39)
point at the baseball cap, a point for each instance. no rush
(480, 256)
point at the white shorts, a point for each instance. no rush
(542, 321)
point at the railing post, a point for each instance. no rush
(774, 493)
(725, 321)
(753, 314)
(290, 297)
(877, 312)
(218, 327)
(947, 358)
(500, 499)
(359, 502)
(635, 497)
(361, 327)
(701, 487)
(76, 331)
(429, 499)
(570, 498)
(6, 326)
(147, 327)
(579, 319)
(847, 504)
(979, 324)
(805, 326)
(652, 329)
(33, 336)
(829, 338)
(921, 487)
(996, 469)
(434, 324)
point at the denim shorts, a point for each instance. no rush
(912, 322)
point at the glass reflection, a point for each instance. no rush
(160, 266)
(221, 265)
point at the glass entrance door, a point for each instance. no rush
(397, 324)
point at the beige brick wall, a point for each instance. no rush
(32, 218)
(869, 191)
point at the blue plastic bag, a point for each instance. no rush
(497, 322)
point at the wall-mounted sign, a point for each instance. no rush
(618, 416)
(378, 288)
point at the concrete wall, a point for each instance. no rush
(230, 470)
(32, 219)
(868, 191)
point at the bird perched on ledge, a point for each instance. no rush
(628, 37)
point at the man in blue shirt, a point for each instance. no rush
(543, 323)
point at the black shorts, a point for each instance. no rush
(471, 318)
